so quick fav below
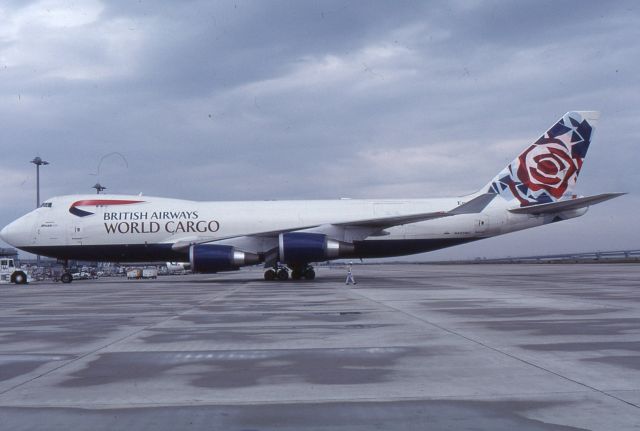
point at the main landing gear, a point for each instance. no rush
(277, 273)
(305, 272)
(298, 272)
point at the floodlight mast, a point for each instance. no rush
(38, 162)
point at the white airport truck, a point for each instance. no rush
(148, 273)
(10, 274)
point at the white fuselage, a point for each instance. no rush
(68, 226)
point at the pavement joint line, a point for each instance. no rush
(502, 352)
(218, 295)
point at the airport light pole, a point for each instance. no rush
(99, 188)
(38, 162)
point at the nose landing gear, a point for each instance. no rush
(66, 276)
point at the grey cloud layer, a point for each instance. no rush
(253, 100)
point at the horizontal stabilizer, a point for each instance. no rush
(565, 205)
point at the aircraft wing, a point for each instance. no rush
(475, 205)
(566, 205)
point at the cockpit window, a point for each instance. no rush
(46, 205)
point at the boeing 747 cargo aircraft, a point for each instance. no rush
(535, 189)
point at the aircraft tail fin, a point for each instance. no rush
(548, 169)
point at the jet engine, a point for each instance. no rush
(214, 258)
(302, 247)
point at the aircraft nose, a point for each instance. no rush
(4, 234)
(12, 233)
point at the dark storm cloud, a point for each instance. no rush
(254, 100)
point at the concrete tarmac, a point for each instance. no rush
(410, 347)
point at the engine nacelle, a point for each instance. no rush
(302, 247)
(214, 258)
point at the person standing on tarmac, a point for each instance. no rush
(350, 279)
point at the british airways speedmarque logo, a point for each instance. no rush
(73, 209)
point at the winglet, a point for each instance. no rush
(474, 206)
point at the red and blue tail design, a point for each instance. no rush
(548, 170)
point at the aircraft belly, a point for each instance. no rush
(111, 252)
(424, 236)
(400, 247)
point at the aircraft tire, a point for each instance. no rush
(283, 274)
(269, 275)
(309, 274)
(66, 278)
(20, 278)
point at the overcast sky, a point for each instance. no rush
(319, 99)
